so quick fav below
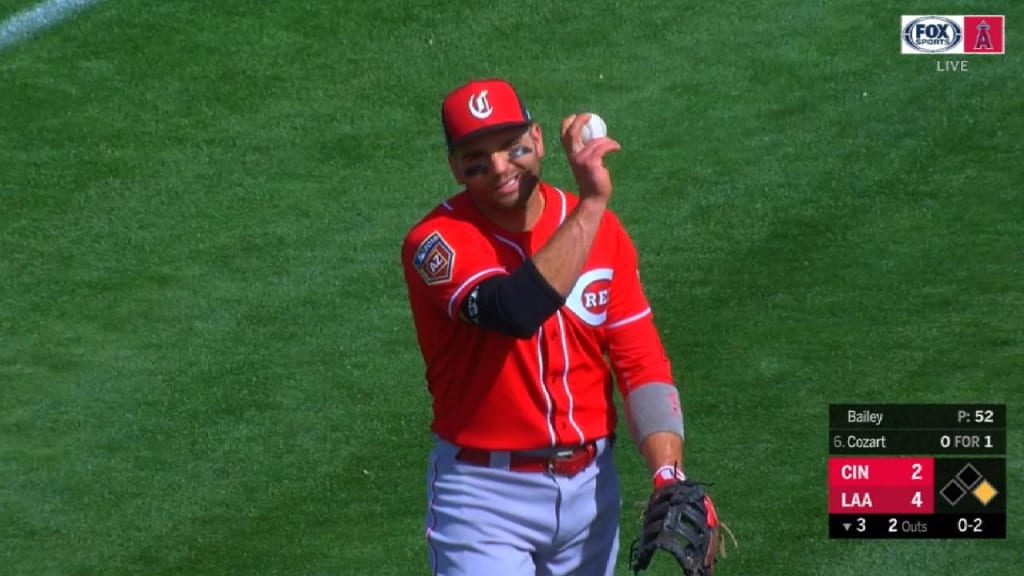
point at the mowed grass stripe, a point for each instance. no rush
(26, 23)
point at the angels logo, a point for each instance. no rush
(590, 296)
(984, 34)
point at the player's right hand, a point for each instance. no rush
(587, 160)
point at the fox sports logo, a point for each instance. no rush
(932, 34)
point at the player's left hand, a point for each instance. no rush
(681, 520)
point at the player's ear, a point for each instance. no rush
(456, 172)
(538, 139)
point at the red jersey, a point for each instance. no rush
(496, 392)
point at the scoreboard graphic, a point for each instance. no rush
(917, 471)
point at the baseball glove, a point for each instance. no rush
(680, 519)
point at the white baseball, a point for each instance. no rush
(594, 128)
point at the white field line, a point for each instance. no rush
(43, 15)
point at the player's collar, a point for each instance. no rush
(463, 204)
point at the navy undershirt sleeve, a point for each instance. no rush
(515, 304)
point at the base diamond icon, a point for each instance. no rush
(985, 492)
(969, 475)
(953, 492)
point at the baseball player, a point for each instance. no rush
(528, 306)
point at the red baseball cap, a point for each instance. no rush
(480, 106)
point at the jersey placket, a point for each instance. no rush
(540, 350)
(559, 378)
(556, 336)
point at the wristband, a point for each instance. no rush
(668, 474)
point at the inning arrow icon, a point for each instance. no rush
(846, 525)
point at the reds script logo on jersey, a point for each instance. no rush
(434, 260)
(590, 296)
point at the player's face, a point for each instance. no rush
(500, 169)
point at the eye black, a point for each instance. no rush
(519, 151)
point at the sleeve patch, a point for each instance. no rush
(434, 260)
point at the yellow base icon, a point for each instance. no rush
(985, 492)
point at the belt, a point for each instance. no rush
(560, 462)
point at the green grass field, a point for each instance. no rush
(207, 363)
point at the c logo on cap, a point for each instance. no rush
(479, 107)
